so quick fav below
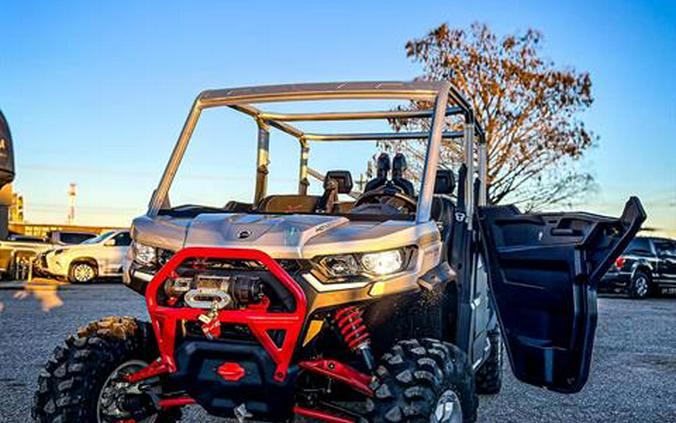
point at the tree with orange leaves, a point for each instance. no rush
(530, 110)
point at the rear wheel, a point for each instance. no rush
(489, 375)
(83, 381)
(423, 381)
(82, 272)
(640, 285)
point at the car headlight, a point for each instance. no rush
(341, 265)
(143, 254)
(380, 263)
(384, 262)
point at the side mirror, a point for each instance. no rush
(109, 243)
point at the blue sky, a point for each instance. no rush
(96, 92)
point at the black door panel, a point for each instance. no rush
(543, 271)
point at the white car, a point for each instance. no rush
(102, 256)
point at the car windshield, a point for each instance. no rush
(75, 237)
(99, 238)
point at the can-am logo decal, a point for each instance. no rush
(243, 234)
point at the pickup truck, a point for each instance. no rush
(646, 267)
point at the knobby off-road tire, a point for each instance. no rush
(70, 385)
(640, 286)
(489, 376)
(416, 378)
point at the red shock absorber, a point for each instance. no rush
(350, 324)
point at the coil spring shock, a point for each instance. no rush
(350, 323)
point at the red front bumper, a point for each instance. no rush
(258, 319)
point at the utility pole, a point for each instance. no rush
(72, 194)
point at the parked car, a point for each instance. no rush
(646, 266)
(19, 250)
(68, 237)
(82, 263)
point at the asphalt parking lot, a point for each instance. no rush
(633, 372)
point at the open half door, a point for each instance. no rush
(543, 271)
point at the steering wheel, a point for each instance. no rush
(387, 197)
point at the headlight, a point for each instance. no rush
(143, 254)
(384, 262)
(379, 263)
(343, 265)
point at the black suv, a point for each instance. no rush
(647, 265)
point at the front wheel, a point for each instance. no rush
(639, 287)
(423, 381)
(84, 380)
(82, 272)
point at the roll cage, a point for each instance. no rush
(447, 101)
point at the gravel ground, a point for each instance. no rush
(632, 378)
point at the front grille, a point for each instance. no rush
(294, 266)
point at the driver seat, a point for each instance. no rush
(383, 168)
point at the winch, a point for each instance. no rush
(214, 291)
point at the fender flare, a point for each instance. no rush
(642, 265)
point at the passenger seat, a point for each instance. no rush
(335, 182)
(399, 167)
(443, 209)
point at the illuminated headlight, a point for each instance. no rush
(143, 254)
(384, 262)
(379, 263)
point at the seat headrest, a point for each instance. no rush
(383, 165)
(342, 178)
(445, 182)
(399, 165)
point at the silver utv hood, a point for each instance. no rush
(280, 236)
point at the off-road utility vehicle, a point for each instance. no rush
(379, 309)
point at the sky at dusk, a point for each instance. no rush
(97, 92)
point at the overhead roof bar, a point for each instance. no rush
(375, 114)
(375, 136)
(414, 90)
